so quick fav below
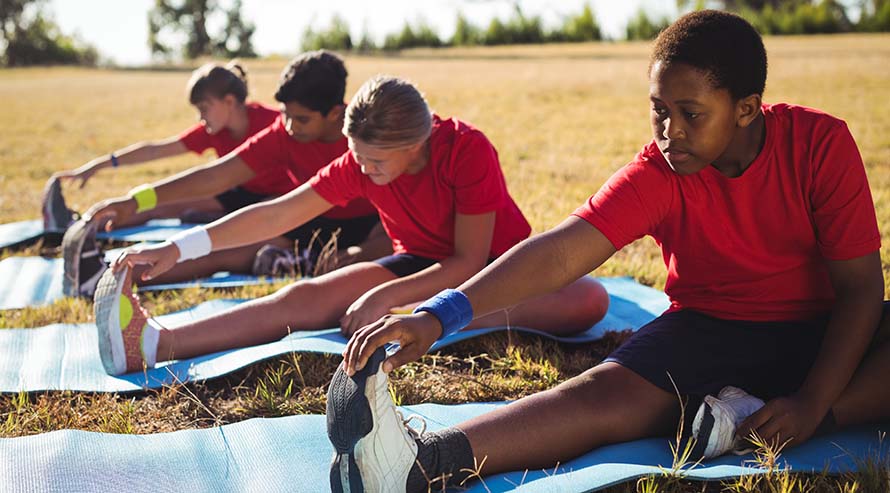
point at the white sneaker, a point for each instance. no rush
(717, 419)
(374, 448)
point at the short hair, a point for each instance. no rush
(388, 112)
(723, 45)
(217, 80)
(315, 79)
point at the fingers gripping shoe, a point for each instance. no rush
(127, 337)
(83, 260)
(56, 215)
(715, 424)
(374, 448)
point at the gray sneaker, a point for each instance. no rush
(83, 260)
(273, 261)
(56, 215)
(375, 449)
(715, 424)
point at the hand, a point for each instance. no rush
(159, 257)
(416, 333)
(83, 173)
(369, 308)
(114, 211)
(792, 419)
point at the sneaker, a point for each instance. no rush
(715, 423)
(273, 261)
(374, 448)
(83, 260)
(125, 328)
(56, 215)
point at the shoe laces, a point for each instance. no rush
(411, 430)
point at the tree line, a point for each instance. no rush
(29, 37)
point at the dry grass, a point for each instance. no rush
(563, 119)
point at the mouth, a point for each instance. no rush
(676, 155)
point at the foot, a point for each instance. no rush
(56, 215)
(374, 448)
(717, 419)
(127, 337)
(274, 261)
(84, 262)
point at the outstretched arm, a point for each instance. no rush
(538, 265)
(139, 152)
(200, 182)
(245, 226)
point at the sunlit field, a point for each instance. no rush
(563, 118)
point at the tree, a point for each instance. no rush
(31, 38)
(189, 18)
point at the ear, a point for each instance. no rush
(336, 113)
(230, 100)
(747, 109)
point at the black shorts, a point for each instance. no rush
(703, 354)
(405, 264)
(318, 232)
(236, 198)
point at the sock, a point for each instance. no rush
(446, 452)
(150, 334)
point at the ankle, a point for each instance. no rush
(444, 458)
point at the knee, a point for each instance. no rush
(293, 292)
(587, 303)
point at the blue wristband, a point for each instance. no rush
(452, 308)
(114, 162)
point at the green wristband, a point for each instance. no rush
(145, 196)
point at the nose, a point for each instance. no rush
(289, 125)
(673, 130)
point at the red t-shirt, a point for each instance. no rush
(282, 164)
(197, 140)
(463, 176)
(752, 247)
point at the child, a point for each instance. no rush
(442, 198)
(219, 93)
(768, 231)
(306, 136)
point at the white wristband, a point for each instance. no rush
(192, 243)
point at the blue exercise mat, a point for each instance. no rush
(12, 234)
(65, 356)
(293, 454)
(36, 281)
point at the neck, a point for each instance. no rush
(334, 132)
(743, 150)
(421, 160)
(239, 123)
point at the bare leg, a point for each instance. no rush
(570, 310)
(867, 397)
(606, 404)
(236, 260)
(309, 304)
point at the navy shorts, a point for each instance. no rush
(703, 354)
(405, 264)
(318, 232)
(236, 198)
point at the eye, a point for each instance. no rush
(691, 115)
(659, 111)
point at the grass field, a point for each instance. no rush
(563, 119)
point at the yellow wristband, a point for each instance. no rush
(145, 196)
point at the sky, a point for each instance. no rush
(119, 28)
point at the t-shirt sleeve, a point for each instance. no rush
(476, 175)
(196, 138)
(631, 204)
(843, 210)
(340, 181)
(263, 152)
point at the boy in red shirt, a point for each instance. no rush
(304, 137)
(768, 231)
(219, 93)
(441, 195)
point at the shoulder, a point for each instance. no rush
(803, 121)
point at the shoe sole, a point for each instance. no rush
(349, 419)
(107, 309)
(705, 428)
(72, 246)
